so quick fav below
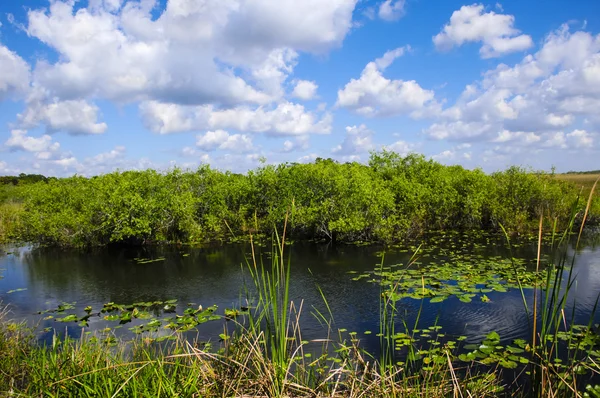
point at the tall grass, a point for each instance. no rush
(555, 369)
(10, 220)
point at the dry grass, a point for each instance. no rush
(584, 182)
(581, 180)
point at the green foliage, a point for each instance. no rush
(22, 179)
(391, 198)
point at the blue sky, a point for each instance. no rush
(87, 87)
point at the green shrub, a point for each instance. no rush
(391, 198)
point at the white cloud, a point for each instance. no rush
(70, 162)
(402, 148)
(374, 95)
(227, 52)
(107, 158)
(390, 56)
(311, 157)
(392, 10)
(14, 74)
(455, 154)
(358, 139)
(301, 143)
(458, 130)
(43, 147)
(554, 90)
(274, 70)
(284, 119)
(221, 139)
(580, 139)
(522, 136)
(108, 5)
(472, 24)
(305, 90)
(71, 116)
(188, 151)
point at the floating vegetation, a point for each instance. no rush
(151, 311)
(459, 271)
(490, 352)
(232, 313)
(463, 279)
(17, 290)
(148, 260)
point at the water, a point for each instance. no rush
(215, 275)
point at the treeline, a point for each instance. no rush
(23, 179)
(584, 172)
(389, 199)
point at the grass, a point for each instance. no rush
(89, 368)
(9, 220)
(585, 182)
(265, 355)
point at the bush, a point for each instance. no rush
(391, 198)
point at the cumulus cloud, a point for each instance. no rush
(107, 158)
(71, 116)
(311, 157)
(401, 147)
(42, 147)
(14, 74)
(580, 139)
(522, 136)
(374, 95)
(358, 139)
(457, 153)
(472, 24)
(301, 143)
(391, 10)
(305, 90)
(189, 54)
(284, 119)
(390, 56)
(221, 139)
(537, 101)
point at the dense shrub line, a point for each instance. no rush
(389, 199)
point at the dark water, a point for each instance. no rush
(215, 275)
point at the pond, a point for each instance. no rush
(42, 280)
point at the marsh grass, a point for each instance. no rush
(10, 220)
(559, 359)
(586, 183)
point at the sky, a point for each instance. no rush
(89, 87)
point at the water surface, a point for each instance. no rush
(216, 275)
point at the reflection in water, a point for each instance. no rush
(216, 275)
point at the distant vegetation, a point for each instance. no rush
(584, 181)
(584, 172)
(23, 179)
(389, 199)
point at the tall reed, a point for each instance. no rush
(554, 370)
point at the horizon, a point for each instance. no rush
(88, 87)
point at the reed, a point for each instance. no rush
(555, 369)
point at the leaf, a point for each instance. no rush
(68, 318)
(16, 290)
(438, 299)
